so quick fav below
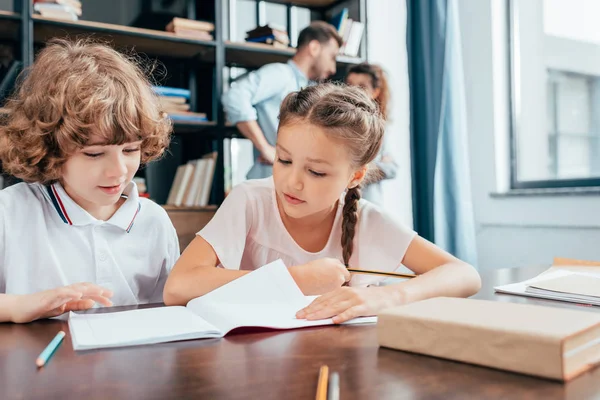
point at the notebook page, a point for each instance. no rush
(135, 327)
(267, 297)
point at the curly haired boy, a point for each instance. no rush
(75, 232)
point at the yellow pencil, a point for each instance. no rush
(322, 383)
(383, 273)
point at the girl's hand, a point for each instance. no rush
(320, 276)
(346, 303)
(54, 302)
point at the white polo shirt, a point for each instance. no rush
(48, 241)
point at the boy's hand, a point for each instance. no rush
(320, 276)
(346, 303)
(54, 302)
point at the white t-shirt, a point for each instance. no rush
(247, 232)
(48, 241)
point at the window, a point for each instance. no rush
(555, 85)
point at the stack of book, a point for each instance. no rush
(174, 102)
(269, 34)
(191, 29)
(69, 10)
(351, 31)
(193, 182)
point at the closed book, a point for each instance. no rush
(547, 342)
(171, 91)
(190, 24)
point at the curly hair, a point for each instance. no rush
(73, 91)
(347, 114)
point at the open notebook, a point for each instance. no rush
(267, 297)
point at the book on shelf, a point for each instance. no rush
(269, 34)
(193, 182)
(350, 30)
(338, 20)
(172, 92)
(268, 40)
(58, 9)
(191, 28)
(187, 117)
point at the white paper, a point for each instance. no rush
(267, 297)
(144, 326)
(521, 288)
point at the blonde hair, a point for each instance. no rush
(350, 116)
(75, 90)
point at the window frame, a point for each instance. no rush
(515, 183)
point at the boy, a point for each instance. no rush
(75, 231)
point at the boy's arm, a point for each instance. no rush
(7, 304)
(52, 303)
(196, 273)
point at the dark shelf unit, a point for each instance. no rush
(198, 65)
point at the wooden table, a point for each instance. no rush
(267, 365)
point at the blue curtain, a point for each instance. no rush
(442, 201)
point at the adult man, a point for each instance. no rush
(252, 103)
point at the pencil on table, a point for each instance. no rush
(383, 273)
(333, 391)
(322, 383)
(50, 349)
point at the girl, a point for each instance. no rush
(372, 79)
(310, 215)
(76, 232)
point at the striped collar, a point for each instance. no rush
(72, 214)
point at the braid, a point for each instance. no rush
(350, 216)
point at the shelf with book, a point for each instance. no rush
(255, 55)
(153, 42)
(9, 15)
(192, 63)
(194, 127)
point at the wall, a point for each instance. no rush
(511, 231)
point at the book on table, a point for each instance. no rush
(267, 297)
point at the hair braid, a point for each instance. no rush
(349, 219)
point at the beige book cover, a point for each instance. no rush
(547, 342)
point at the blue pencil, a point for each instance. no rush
(50, 349)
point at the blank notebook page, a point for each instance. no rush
(134, 327)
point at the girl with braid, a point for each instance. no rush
(310, 215)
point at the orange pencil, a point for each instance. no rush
(322, 383)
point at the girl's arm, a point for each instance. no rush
(195, 274)
(440, 274)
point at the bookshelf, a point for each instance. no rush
(198, 65)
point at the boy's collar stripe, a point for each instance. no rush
(133, 219)
(58, 205)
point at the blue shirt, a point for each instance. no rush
(257, 97)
